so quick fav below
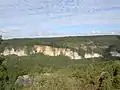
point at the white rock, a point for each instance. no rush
(116, 54)
(93, 55)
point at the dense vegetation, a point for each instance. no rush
(4, 79)
(66, 74)
(61, 73)
(64, 41)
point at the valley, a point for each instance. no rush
(63, 63)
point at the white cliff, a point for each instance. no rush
(93, 55)
(116, 54)
(50, 51)
(18, 52)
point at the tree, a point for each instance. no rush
(3, 70)
(3, 74)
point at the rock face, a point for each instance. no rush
(116, 54)
(24, 80)
(50, 51)
(93, 55)
(18, 52)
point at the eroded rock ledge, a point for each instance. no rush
(50, 51)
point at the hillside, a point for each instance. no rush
(45, 63)
(78, 46)
(65, 41)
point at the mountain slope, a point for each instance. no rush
(81, 46)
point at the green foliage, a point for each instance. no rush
(3, 74)
(61, 73)
(69, 42)
(66, 74)
(116, 82)
(3, 69)
(78, 77)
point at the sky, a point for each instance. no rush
(48, 18)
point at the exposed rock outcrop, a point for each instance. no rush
(93, 55)
(12, 51)
(50, 51)
(24, 80)
(116, 54)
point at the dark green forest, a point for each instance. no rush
(70, 41)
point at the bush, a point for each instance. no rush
(116, 82)
(3, 75)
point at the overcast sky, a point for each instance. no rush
(43, 18)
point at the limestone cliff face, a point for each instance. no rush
(116, 54)
(93, 55)
(50, 51)
(12, 51)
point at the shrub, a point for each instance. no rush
(116, 82)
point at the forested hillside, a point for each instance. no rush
(70, 41)
(105, 46)
(42, 72)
